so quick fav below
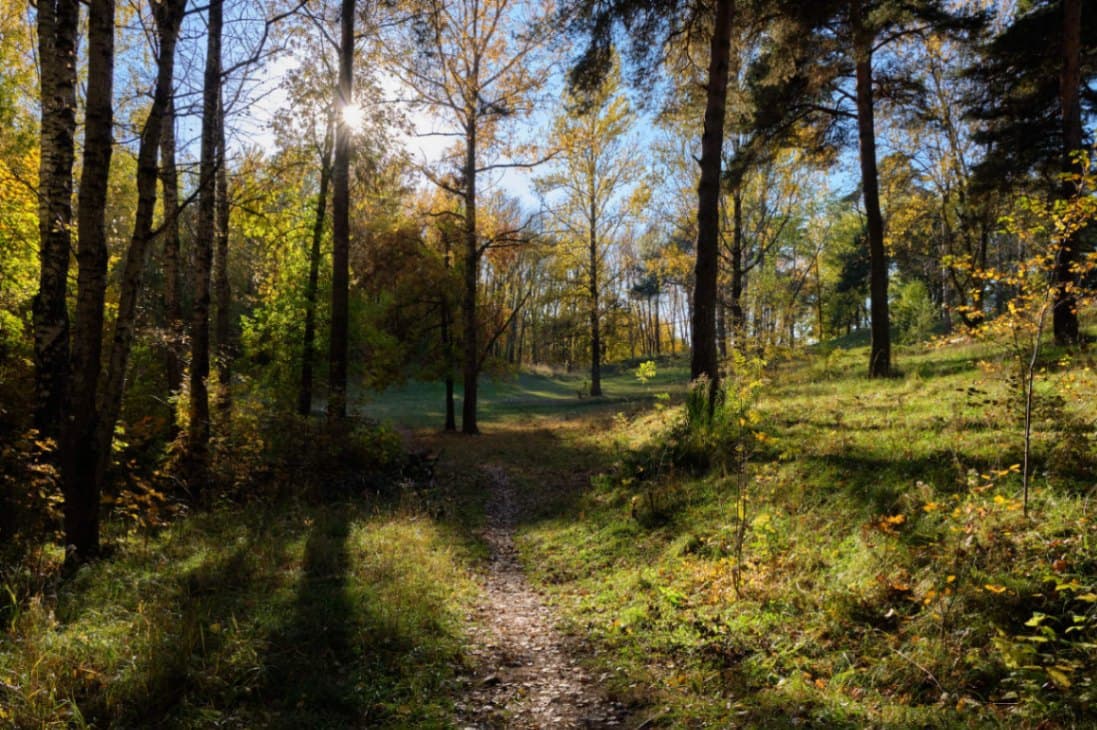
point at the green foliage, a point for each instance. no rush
(913, 312)
(646, 371)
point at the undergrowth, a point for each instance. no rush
(840, 552)
(325, 586)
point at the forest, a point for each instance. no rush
(548, 364)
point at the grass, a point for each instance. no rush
(516, 396)
(288, 615)
(889, 577)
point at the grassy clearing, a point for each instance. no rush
(518, 396)
(285, 615)
(889, 576)
(281, 612)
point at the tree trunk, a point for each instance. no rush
(595, 331)
(222, 292)
(79, 453)
(308, 349)
(169, 182)
(704, 361)
(447, 344)
(738, 278)
(57, 23)
(1065, 314)
(472, 271)
(880, 356)
(199, 430)
(657, 326)
(168, 17)
(340, 247)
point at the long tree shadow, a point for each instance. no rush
(309, 680)
(175, 677)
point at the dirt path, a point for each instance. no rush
(526, 676)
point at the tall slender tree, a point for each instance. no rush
(476, 64)
(79, 452)
(821, 72)
(340, 256)
(308, 345)
(173, 308)
(1034, 87)
(651, 25)
(1065, 314)
(590, 182)
(199, 417)
(57, 32)
(704, 360)
(222, 330)
(168, 17)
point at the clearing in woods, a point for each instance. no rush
(530, 463)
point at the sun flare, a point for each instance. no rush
(354, 117)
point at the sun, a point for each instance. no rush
(354, 117)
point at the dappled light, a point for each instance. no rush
(581, 364)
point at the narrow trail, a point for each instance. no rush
(526, 675)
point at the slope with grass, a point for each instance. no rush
(887, 576)
(285, 615)
(863, 561)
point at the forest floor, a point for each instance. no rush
(594, 563)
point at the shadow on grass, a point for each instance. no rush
(308, 680)
(183, 672)
(275, 619)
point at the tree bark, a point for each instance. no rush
(79, 452)
(595, 330)
(880, 355)
(447, 340)
(173, 308)
(472, 272)
(308, 350)
(222, 291)
(704, 361)
(57, 22)
(340, 254)
(738, 276)
(199, 427)
(1064, 314)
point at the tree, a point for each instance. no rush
(220, 274)
(477, 67)
(308, 344)
(829, 64)
(594, 172)
(1035, 80)
(79, 454)
(340, 277)
(173, 309)
(199, 424)
(652, 24)
(57, 22)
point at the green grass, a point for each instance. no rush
(888, 573)
(510, 396)
(889, 578)
(286, 615)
